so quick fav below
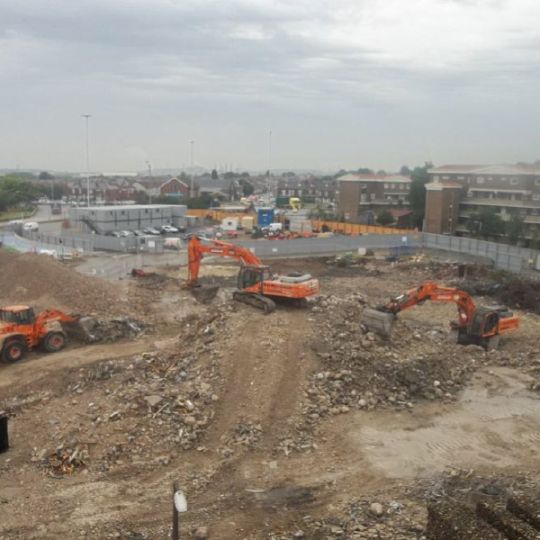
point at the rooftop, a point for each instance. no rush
(356, 177)
(508, 169)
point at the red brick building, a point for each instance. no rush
(365, 193)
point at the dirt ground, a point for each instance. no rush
(299, 424)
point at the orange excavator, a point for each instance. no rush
(22, 330)
(257, 285)
(478, 325)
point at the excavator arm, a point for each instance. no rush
(197, 250)
(435, 293)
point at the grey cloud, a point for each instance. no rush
(201, 69)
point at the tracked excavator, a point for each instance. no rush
(480, 325)
(257, 286)
(21, 330)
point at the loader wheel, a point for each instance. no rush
(14, 351)
(54, 342)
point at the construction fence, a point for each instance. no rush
(502, 256)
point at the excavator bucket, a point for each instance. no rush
(205, 293)
(378, 322)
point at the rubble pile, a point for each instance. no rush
(362, 519)
(46, 283)
(361, 370)
(140, 410)
(114, 329)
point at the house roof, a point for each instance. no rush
(174, 179)
(356, 177)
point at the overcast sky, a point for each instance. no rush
(340, 83)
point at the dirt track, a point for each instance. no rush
(267, 436)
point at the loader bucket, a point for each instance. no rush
(205, 293)
(82, 329)
(378, 322)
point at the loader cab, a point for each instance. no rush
(20, 315)
(251, 275)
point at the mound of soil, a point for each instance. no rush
(43, 282)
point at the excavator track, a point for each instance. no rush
(256, 300)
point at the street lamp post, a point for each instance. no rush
(192, 187)
(86, 117)
(149, 165)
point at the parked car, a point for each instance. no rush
(169, 229)
(125, 234)
(31, 226)
(151, 230)
(138, 233)
(116, 234)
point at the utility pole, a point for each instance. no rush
(192, 187)
(269, 157)
(86, 117)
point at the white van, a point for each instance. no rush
(32, 226)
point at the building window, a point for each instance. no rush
(386, 186)
(536, 197)
(513, 181)
(537, 181)
(436, 177)
(479, 179)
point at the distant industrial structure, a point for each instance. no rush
(104, 219)
(457, 192)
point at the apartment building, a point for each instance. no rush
(455, 192)
(360, 195)
(307, 188)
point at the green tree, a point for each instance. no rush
(44, 175)
(15, 191)
(205, 200)
(381, 172)
(247, 187)
(385, 218)
(364, 170)
(486, 224)
(417, 193)
(515, 229)
(405, 171)
(214, 174)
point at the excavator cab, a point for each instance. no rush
(251, 275)
(484, 322)
(17, 315)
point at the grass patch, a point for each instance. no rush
(8, 215)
